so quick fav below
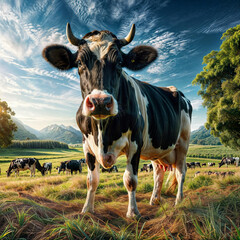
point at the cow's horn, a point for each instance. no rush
(71, 38)
(125, 41)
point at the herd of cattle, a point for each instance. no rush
(21, 164)
(70, 166)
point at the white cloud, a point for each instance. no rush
(196, 104)
(169, 45)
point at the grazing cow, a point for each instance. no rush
(113, 168)
(211, 164)
(197, 164)
(226, 161)
(122, 115)
(191, 165)
(204, 164)
(22, 164)
(47, 167)
(82, 160)
(147, 167)
(70, 166)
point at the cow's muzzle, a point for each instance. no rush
(99, 106)
(107, 160)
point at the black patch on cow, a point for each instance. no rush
(186, 105)
(90, 160)
(135, 161)
(164, 115)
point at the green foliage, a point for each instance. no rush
(7, 126)
(33, 144)
(202, 136)
(220, 89)
(200, 181)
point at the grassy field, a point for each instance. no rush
(49, 207)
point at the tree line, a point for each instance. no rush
(45, 144)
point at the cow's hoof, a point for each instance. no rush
(133, 215)
(154, 201)
(87, 210)
(178, 200)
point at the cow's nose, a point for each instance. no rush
(100, 105)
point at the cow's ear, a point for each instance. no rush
(139, 57)
(60, 57)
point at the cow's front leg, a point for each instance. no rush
(158, 175)
(92, 182)
(130, 182)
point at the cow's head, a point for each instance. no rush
(99, 60)
(8, 173)
(62, 167)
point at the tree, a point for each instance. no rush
(7, 126)
(220, 89)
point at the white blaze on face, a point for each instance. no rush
(99, 44)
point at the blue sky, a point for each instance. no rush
(182, 31)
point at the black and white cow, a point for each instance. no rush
(22, 164)
(113, 168)
(211, 164)
(147, 167)
(70, 166)
(122, 115)
(47, 167)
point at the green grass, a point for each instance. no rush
(211, 151)
(49, 207)
(200, 181)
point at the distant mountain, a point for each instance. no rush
(22, 132)
(202, 136)
(61, 133)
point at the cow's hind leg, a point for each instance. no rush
(158, 175)
(181, 152)
(92, 182)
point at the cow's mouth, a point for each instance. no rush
(100, 116)
(107, 160)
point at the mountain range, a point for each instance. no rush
(202, 136)
(61, 133)
(70, 135)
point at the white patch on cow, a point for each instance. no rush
(128, 179)
(117, 147)
(92, 183)
(147, 151)
(158, 175)
(100, 44)
(100, 92)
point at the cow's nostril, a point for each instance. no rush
(109, 104)
(89, 103)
